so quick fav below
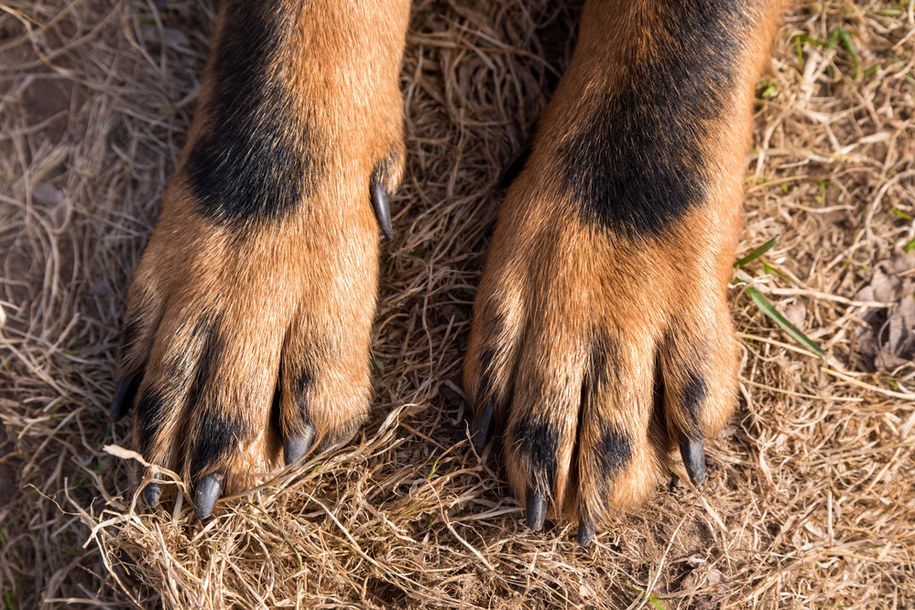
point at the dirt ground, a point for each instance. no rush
(811, 500)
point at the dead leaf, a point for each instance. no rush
(888, 339)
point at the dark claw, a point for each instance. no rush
(693, 452)
(536, 510)
(151, 495)
(123, 397)
(586, 531)
(380, 204)
(482, 427)
(298, 445)
(206, 494)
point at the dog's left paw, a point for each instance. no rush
(595, 354)
(602, 341)
(602, 344)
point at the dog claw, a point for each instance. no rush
(482, 426)
(536, 510)
(206, 494)
(123, 397)
(151, 494)
(693, 453)
(586, 532)
(298, 445)
(381, 205)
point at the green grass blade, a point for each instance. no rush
(654, 601)
(812, 41)
(376, 370)
(776, 316)
(756, 253)
(849, 45)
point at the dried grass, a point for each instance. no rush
(811, 500)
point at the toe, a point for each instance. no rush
(699, 369)
(492, 353)
(617, 463)
(326, 385)
(540, 435)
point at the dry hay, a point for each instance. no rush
(811, 500)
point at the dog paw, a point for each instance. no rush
(594, 355)
(246, 342)
(602, 346)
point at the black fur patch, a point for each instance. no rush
(693, 397)
(539, 441)
(255, 158)
(216, 435)
(636, 163)
(614, 452)
(149, 418)
(129, 334)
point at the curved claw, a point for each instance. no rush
(586, 532)
(151, 494)
(536, 510)
(206, 493)
(380, 204)
(482, 428)
(123, 396)
(298, 445)
(693, 453)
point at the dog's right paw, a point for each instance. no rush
(247, 335)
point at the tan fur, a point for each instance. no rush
(294, 294)
(550, 279)
(295, 297)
